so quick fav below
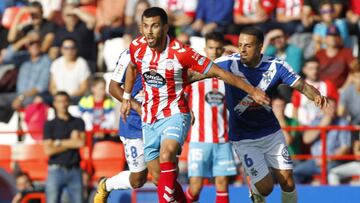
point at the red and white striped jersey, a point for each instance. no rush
(164, 76)
(307, 111)
(290, 8)
(207, 100)
(250, 7)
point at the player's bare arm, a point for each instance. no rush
(311, 92)
(128, 86)
(117, 91)
(258, 95)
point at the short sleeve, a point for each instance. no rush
(121, 66)
(332, 91)
(48, 130)
(193, 60)
(287, 74)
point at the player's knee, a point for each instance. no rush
(138, 179)
(288, 185)
(221, 181)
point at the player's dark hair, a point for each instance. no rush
(156, 11)
(21, 173)
(216, 36)
(254, 32)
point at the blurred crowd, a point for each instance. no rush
(47, 46)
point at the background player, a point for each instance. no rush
(210, 153)
(130, 134)
(253, 129)
(163, 62)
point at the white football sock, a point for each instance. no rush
(289, 197)
(121, 181)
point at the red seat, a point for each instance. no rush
(108, 159)
(9, 16)
(33, 160)
(34, 196)
(5, 158)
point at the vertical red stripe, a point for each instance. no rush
(155, 91)
(190, 101)
(226, 135)
(201, 111)
(214, 111)
(170, 83)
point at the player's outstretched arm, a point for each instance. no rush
(129, 84)
(258, 95)
(117, 92)
(311, 92)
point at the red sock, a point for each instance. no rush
(189, 197)
(179, 193)
(166, 183)
(222, 197)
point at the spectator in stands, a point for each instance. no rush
(353, 17)
(252, 13)
(110, 18)
(211, 15)
(311, 12)
(288, 15)
(180, 12)
(329, 22)
(63, 136)
(347, 170)
(79, 25)
(38, 23)
(51, 8)
(335, 60)
(97, 109)
(349, 101)
(70, 72)
(304, 111)
(337, 143)
(275, 44)
(130, 10)
(33, 78)
(25, 186)
(292, 138)
(132, 31)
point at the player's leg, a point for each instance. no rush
(279, 160)
(199, 166)
(253, 161)
(133, 178)
(223, 167)
(173, 133)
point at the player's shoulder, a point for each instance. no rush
(177, 47)
(138, 42)
(228, 58)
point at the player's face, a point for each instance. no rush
(154, 31)
(214, 49)
(249, 49)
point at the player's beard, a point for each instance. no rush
(155, 42)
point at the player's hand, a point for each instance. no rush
(137, 107)
(321, 101)
(125, 109)
(260, 97)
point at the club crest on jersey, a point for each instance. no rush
(267, 76)
(154, 79)
(201, 61)
(214, 98)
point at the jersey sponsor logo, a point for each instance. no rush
(154, 79)
(201, 61)
(214, 98)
